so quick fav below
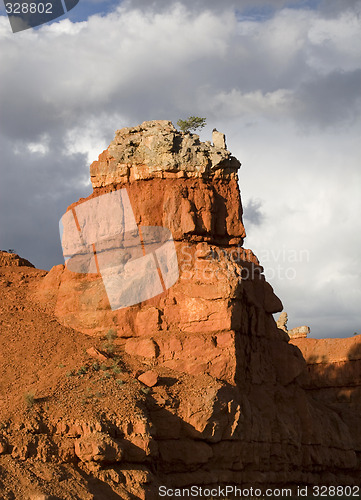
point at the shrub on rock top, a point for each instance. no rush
(193, 123)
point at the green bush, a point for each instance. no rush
(193, 123)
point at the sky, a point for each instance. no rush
(282, 80)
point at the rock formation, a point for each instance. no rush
(200, 386)
(157, 150)
(299, 332)
(334, 376)
(8, 259)
(219, 139)
(282, 321)
(294, 333)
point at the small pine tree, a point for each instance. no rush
(193, 123)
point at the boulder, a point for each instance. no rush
(149, 378)
(98, 447)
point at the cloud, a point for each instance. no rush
(252, 213)
(332, 8)
(37, 185)
(330, 100)
(280, 78)
(65, 74)
(329, 8)
(309, 241)
(202, 5)
(334, 43)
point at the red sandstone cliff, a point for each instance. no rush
(334, 377)
(230, 400)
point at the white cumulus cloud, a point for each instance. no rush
(282, 81)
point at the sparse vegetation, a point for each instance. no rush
(111, 335)
(108, 346)
(29, 398)
(192, 124)
(82, 370)
(88, 393)
(116, 369)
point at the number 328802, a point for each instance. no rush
(29, 8)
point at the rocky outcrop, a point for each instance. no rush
(156, 149)
(225, 394)
(332, 363)
(334, 376)
(12, 259)
(294, 333)
(192, 190)
(300, 332)
(282, 321)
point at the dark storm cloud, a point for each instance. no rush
(331, 99)
(252, 213)
(162, 66)
(332, 8)
(35, 191)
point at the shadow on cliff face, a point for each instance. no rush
(337, 371)
(250, 438)
(334, 379)
(197, 429)
(100, 489)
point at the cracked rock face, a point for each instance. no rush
(190, 188)
(157, 149)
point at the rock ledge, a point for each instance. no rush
(157, 149)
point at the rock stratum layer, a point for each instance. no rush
(196, 386)
(156, 149)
